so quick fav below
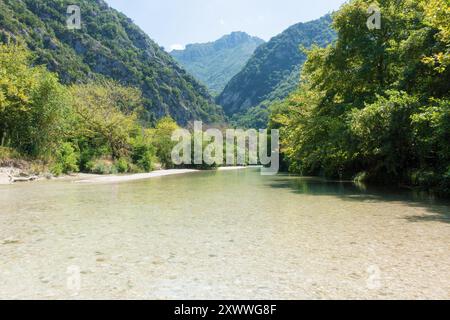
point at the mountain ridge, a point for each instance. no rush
(274, 68)
(215, 63)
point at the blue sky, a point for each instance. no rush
(175, 23)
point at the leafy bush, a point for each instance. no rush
(8, 153)
(383, 133)
(162, 140)
(147, 161)
(66, 160)
(143, 155)
(101, 166)
(122, 165)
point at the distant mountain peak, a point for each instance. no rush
(215, 63)
(236, 38)
(232, 39)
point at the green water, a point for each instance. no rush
(224, 235)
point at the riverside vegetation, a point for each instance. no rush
(93, 127)
(375, 105)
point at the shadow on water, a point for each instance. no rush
(439, 209)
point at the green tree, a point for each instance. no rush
(383, 133)
(107, 115)
(368, 103)
(162, 138)
(437, 15)
(34, 106)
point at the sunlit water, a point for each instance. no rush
(221, 235)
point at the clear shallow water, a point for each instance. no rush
(223, 235)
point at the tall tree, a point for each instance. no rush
(368, 103)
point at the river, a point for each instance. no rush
(222, 235)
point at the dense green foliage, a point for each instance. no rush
(372, 106)
(273, 70)
(32, 102)
(215, 63)
(92, 127)
(108, 45)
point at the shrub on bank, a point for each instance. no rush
(8, 153)
(66, 160)
(101, 166)
(122, 165)
(144, 153)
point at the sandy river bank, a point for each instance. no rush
(7, 174)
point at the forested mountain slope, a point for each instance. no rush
(273, 70)
(108, 45)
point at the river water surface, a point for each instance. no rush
(222, 235)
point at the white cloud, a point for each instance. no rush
(176, 46)
(222, 22)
